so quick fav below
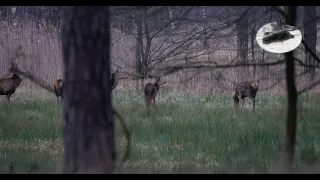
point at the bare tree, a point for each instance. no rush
(173, 39)
(89, 125)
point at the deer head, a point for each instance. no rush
(159, 82)
(255, 84)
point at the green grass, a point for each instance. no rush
(187, 134)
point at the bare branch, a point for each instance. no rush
(31, 77)
(305, 89)
(172, 69)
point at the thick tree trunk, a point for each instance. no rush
(291, 123)
(89, 127)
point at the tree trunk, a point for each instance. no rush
(139, 52)
(252, 38)
(146, 51)
(170, 17)
(242, 44)
(89, 126)
(204, 16)
(310, 36)
(291, 122)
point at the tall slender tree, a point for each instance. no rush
(291, 122)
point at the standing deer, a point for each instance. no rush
(9, 85)
(58, 85)
(114, 79)
(246, 89)
(151, 90)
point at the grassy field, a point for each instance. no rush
(188, 134)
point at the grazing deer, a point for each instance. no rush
(151, 90)
(114, 79)
(58, 85)
(246, 89)
(9, 85)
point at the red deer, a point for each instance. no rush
(114, 79)
(151, 90)
(246, 89)
(9, 85)
(58, 85)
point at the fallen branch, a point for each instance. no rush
(14, 68)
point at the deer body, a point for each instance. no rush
(246, 89)
(150, 92)
(58, 85)
(8, 86)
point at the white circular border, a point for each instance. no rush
(278, 47)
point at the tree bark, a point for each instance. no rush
(310, 36)
(242, 44)
(252, 38)
(139, 52)
(291, 122)
(89, 126)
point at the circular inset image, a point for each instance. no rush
(276, 38)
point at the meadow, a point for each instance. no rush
(189, 133)
(195, 129)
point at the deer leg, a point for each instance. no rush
(8, 98)
(148, 105)
(154, 103)
(236, 101)
(243, 100)
(254, 103)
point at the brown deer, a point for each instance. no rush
(246, 89)
(9, 85)
(114, 79)
(151, 90)
(58, 85)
